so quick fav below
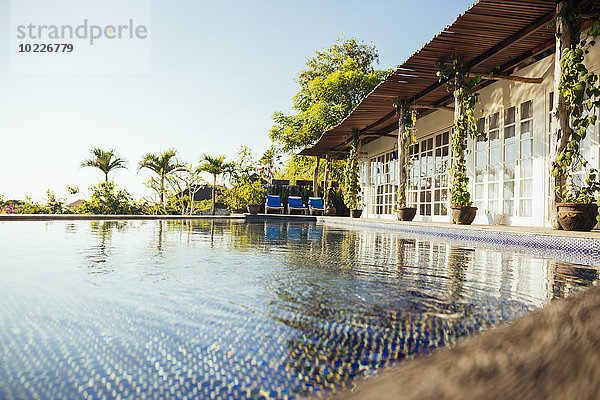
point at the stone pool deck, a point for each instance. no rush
(552, 353)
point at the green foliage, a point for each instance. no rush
(335, 199)
(245, 192)
(585, 193)
(243, 167)
(105, 161)
(162, 165)
(215, 166)
(334, 82)
(106, 199)
(408, 119)
(579, 87)
(55, 205)
(457, 79)
(297, 167)
(268, 164)
(28, 206)
(351, 187)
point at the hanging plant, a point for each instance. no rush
(351, 187)
(408, 119)
(458, 82)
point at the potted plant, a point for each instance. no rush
(252, 195)
(351, 188)
(577, 206)
(458, 81)
(578, 210)
(329, 207)
(406, 137)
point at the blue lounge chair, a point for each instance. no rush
(295, 204)
(273, 203)
(294, 232)
(315, 205)
(273, 232)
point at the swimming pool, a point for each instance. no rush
(229, 309)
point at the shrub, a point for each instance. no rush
(106, 199)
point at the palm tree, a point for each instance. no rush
(214, 166)
(162, 165)
(105, 161)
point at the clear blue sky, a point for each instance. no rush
(219, 71)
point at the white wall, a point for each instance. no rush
(496, 97)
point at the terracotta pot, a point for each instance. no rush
(355, 213)
(463, 215)
(330, 211)
(253, 208)
(406, 213)
(577, 216)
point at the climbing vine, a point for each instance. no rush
(351, 188)
(460, 83)
(579, 87)
(408, 119)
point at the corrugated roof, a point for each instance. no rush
(491, 34)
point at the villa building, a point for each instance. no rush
(509, 172)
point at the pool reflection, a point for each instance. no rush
(202, 308)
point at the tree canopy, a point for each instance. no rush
(334, 81)
(104, 160)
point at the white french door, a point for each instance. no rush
(504, 165)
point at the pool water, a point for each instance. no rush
(209, 309)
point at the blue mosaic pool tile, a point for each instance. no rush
(576, 250)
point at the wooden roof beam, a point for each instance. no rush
(431, 107)
(512, 78)
(514, 38)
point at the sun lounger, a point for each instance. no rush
(295, 204)
(273, 203)
(315, 205)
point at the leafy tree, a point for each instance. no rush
(185, 185)
(268, 164)
(105, 161)
(242, 168)
(215, 166)
(297, 167)
(334, 82)
(163, 165)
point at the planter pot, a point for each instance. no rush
(253, 208)
(331, 211)
(577, 216)
(406, 213)
(355, 213)
(463, 215)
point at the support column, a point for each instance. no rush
(401, 158)
(560, 117)
(326, 182)
(316, 177)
